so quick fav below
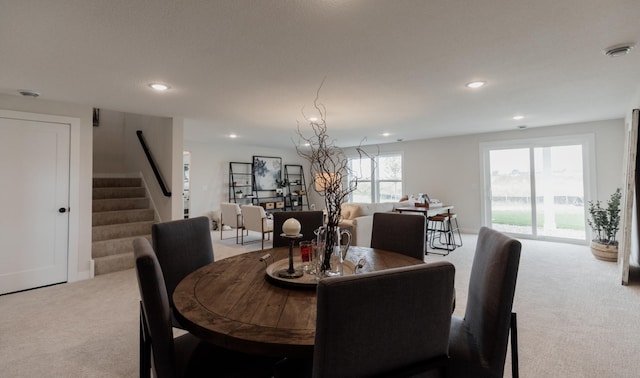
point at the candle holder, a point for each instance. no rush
(290, 272)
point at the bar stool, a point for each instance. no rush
(441, 232)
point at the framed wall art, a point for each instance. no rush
(267, 171)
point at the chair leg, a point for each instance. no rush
(438, 228)
(514, 346)
(455, 228)
(145, 347)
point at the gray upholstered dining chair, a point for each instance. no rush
(309, 220)
(186, 355)
(478, 342)
(182, 246)
(400, 233)
(388, 323)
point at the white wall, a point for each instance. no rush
(449, 169)
(80, 172)
(117, 151)
(158, 135)
(446, 168)
(209, 170)
(635, 242)
(177, 168)
(108, 144)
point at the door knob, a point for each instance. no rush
(62, 210)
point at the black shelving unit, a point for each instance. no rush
(269, 199)
(240, 179)
(296, 198)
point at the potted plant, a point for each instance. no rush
(239, 193)
(605, 223)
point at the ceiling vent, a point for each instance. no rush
(28, 93)
(619, 50)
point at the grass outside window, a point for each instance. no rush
(523, 218)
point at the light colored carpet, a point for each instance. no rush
(574, 318)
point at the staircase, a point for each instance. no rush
(121, 213)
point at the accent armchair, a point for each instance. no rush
(231, 215)
(255, 219)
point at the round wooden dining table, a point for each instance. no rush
(231, 303)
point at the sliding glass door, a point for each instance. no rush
(537, 187)
(510, 190)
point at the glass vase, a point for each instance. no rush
(336, 244)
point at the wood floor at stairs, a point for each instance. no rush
(121, 213)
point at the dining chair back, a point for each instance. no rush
(388, 323)
(310, 220)
(186, 355)
(255, 219)
(231, 215)
(478, 342)
(400, 233)
(181, 246)
(156, 313)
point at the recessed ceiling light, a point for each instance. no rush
(618, 50)
(476, 84)
(159, 87)
(307, 144)
(386, 134)
(313, 119)
(232, 136)
(518, 117)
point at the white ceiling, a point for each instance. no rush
(251, 67)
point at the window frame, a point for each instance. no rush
(587, 141)
(375, 181)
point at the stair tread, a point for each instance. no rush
(117, 182)
(103, 218)
(121, 213)
(122, 239)
(112, 247)
(116, 225)
(115, 204)
(126, 211)
(118, 199)
(113, 263)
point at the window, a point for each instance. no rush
(538, 187)
(379, 178)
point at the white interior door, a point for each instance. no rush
(34, 225)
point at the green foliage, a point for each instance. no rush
(523, 218)
(606, 222)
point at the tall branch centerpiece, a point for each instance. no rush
(329, 168)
